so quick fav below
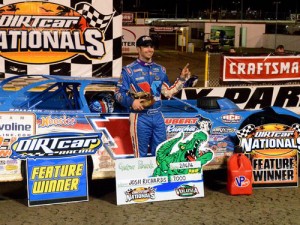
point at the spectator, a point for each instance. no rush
(279, 50)
(232, 51)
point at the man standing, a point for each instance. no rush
(145, 78)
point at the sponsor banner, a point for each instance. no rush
(273, 150)
(254, 97)
(173, 174)
(130, 35)
(166, 29)
(57, 180)
(10, 169)
(127, 17)
(71, 38)
(267, 68)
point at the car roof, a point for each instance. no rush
(58, 78)
(34, 80)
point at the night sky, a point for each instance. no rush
(194, 7)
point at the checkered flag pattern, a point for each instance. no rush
(103, 14)
(296, 127)
(93, 17)
(30, 155)
(248, 129)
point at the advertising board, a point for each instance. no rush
(130, 35)
(71, 38)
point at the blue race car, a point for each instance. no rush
(45, 109)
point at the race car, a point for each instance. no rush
(46, 116)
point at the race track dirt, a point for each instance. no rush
(265, 206)
(271, 206)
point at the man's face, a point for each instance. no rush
(280, 50)
(145, 53)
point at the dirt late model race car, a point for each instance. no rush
(56, 116)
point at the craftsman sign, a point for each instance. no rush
(265, 68)
(254, 97)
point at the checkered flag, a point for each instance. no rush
(296, 127)
(93, 17)
(245, 131)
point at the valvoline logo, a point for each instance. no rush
(241, 181)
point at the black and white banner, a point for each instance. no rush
(61, 37)
(251, 97)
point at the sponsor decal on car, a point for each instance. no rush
(12, 127)
(48, 121)
(60, 144)
(176, 125)
(222, 130)
(231, 118)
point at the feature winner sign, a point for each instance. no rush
(267, 68)
(57, 180)
(175, 172)
(72, 38)
(273, 150)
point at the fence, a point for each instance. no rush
(214, 71)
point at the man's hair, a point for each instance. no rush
(280, 47)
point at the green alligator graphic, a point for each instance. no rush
(190, 149)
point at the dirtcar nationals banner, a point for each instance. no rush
(61, 37)
(272, 149)
(263, 69)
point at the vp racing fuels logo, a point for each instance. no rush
(62, 144)
(45, 32)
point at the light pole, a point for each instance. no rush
(211, 7)
(276, 17)
(242, 8)
(188, 9)
(242, 32)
